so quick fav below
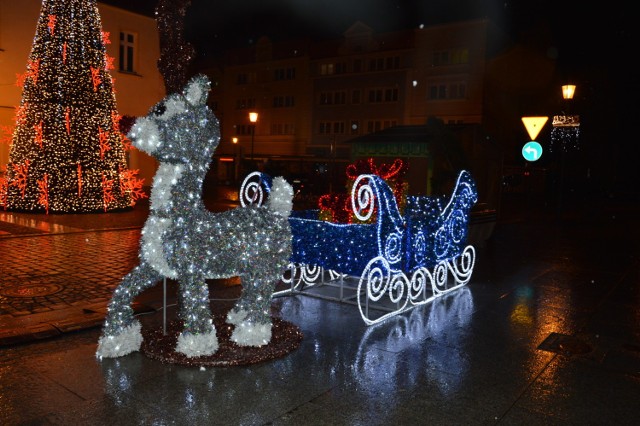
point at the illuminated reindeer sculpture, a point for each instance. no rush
(182, 240)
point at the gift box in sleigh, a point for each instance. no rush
(384, 261)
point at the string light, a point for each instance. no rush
(565, 139)
(65, 134)
(405, 257)
(185, 241)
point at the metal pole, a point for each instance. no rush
(253, 131)
(164, 306)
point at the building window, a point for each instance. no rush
(327, 69)
(329, 127)
(376, 64)
(284, 74)
(460, 56)
(450, 57)
(282, 129)
(333, 98)
(324, 128)
(283, 101)
(356, 96)
(381, 64)
(243, 129)
(452, 91)
(127, 51)
(442, 92)
(383, 95)
(357, 65)
(391, 95)
(375, 95)
(458, 91)
(247, 103)
(377, 125)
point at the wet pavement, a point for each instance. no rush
(546, 332)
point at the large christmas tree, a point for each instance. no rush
(67, 152)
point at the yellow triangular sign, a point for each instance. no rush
(534, 125)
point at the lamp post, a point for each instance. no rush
(234, 140)
(253, 118)
(565, 122)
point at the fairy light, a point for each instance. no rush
(64, 125)
(405, 258)
(185, 241)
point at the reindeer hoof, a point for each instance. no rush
(193, 345)
(236, 316)
(129, 340)
(252, 334)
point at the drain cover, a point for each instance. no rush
(564, 345)
(31, 290)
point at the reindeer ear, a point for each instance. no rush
(197, 90)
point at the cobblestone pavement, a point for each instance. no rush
(45, 273)
(58, 271)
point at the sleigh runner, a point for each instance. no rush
(384, 261)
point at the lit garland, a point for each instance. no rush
(4, 186)
(403, 257)
(565, 138)
(64, 124)
(43, 198)
(183, 240)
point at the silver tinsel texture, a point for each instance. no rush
(184, 241)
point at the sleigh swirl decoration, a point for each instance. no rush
(399, 260)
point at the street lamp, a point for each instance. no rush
(253, 118)
(568, 90)
(564, 136)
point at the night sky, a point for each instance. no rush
(214, 25)
(580, 30)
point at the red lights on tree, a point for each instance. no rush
(67, 138)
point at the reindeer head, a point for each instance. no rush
(180, 128)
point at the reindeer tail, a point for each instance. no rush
(280, 197)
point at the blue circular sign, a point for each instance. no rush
(532, 151)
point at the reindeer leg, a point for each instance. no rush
(198, 338)
(247, 300)
(121, 332)
(255, 327)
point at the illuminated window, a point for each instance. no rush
(326, 69)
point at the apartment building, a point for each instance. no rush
(134, 45)
(314, 98)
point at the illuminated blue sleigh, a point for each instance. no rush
(399, 261)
